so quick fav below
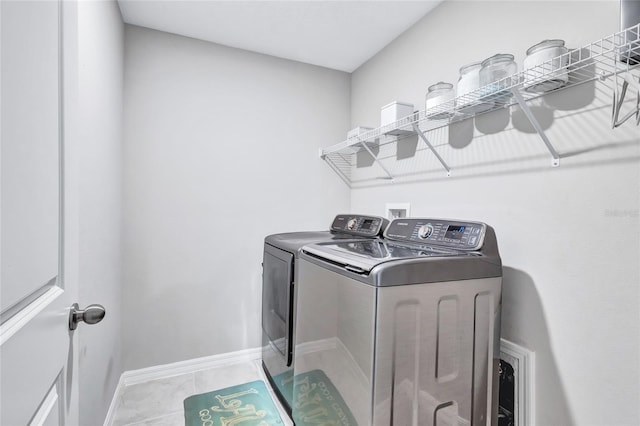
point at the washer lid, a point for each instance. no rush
(413, 251)
(363, 255)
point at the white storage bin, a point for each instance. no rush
(357, 131)
(394, 112)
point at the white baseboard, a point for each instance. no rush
(189, 366)
(142, 375)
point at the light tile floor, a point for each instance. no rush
(159, 402)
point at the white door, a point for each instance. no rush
(36, 345)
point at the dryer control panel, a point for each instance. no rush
(363, 226)
(441, 232)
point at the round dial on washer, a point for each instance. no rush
(351, 224)
(425, 231)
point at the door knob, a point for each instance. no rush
(92, 314)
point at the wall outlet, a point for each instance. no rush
(517, 364)
(397, 210)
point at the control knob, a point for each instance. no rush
(351, 224)
(425, 231)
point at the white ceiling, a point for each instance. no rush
(335, 34)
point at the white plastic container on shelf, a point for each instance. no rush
(357, 131)
(394, 111)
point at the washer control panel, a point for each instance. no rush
(450, 233)
(364, 226)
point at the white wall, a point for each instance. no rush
(221, 149)
(569, 237)
(98, 163)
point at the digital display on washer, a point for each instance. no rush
(366, 224)
(454, 232)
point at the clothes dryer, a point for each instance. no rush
(279, 278)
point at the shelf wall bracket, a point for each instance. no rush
(426, 141)
(378, 162)
(555, 160)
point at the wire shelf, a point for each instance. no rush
(597, 61)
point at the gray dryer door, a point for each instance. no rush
(277, 300)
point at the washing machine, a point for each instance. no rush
(402, 330)
(279, 278)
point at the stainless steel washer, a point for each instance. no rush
(279, 278)
(405, 328)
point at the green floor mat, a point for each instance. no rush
(284, 383)
(316, 401)
(248, 404)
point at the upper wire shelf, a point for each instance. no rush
(599, 60)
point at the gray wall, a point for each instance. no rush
(569, 236)
(98, 159)
(221, 149)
